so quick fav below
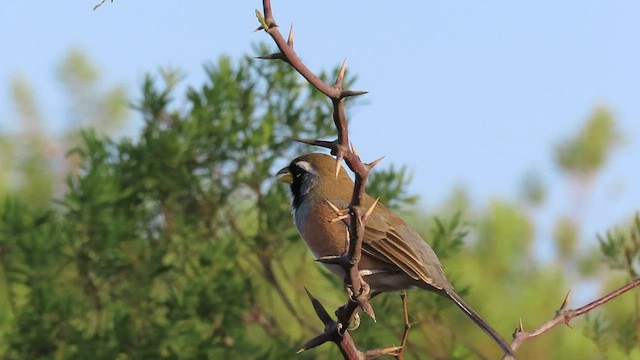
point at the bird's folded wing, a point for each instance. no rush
(383, 242)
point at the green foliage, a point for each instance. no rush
(504, 235)
(533, 190)
(172, 245)
(621, 250)
(390, 185)
(32, 155)
(584, 154)
(566, 234)
(177, 244)
(447, 238)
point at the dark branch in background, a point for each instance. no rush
(564, 315)
(100, 4)
(359, 292)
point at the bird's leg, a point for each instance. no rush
(407, 325)
(355, 321)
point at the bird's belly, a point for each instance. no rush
(329, 238)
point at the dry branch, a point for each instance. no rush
(99, 4)
(564, 315)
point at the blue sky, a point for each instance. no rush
(467, 93)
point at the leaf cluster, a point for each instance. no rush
(175, 244)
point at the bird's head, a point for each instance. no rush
(312, 177)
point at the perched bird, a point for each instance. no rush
(394, 256)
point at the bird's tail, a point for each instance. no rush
(506, 348)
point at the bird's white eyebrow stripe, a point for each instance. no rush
(306, 166)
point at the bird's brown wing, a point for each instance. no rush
(385, 243)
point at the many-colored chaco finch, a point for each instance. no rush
(394, 256)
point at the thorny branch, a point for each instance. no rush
(564, 315)
(359, 292)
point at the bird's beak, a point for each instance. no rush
(284, 175)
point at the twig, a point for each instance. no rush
(99, 4)
(564, 315)
(407, 326)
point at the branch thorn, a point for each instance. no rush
(331, 145)
(290, 39)
(340, 77)
(368, 309)
(319, 309)
(565, 302)
(348, 93)
(354, 151)
(375, 162)
(334, 260)
(316, 341)
(333, 207)
(569, 324)
(370, 209)
(391, 351)
(274, 56)
(339, 158)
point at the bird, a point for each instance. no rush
(394, 256)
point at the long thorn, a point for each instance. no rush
(367, 308)
(274, 56)
(565, 302)
(340, 77)
(350, 93)
(290, 39)
(316, 341)
(370, 209)
(354, 151)
(329, 260)
(333, 207)
(321, 312)
(321, 143)
(339, 218)
(375, 162)
(338, 164)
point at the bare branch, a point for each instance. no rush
(99, 4)
(564, 315)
